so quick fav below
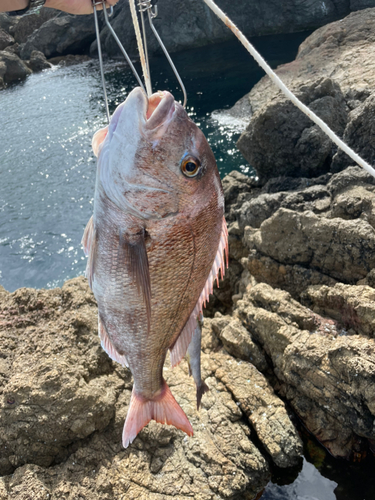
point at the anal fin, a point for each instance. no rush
(179, 348)
(108, 346)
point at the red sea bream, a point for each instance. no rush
(155, 245)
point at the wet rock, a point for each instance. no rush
(12, 69)
(69, 60)
(5, 39)
(63, 404)
(60, 35)
(38, 61)
(13, 49)
(6, 22)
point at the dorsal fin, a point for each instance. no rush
(179, 348)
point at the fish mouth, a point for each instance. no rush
(160, 109)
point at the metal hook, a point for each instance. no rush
(102, 2)
(94, 4)
(152, 11)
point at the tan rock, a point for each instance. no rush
(64, 404)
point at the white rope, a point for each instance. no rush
(276, 80)
(141, 51)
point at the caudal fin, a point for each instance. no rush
(163, 408)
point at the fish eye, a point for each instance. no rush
(190, 166)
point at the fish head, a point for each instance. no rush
(153, 160)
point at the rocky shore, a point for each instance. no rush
(26, 42)
(288, 335)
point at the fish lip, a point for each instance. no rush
(158, 110)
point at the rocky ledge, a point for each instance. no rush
(302, 239)
(63, 405)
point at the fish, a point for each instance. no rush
(193, 356)
(155, 244)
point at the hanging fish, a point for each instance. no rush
(155, 244)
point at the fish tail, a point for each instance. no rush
(163, 408)
(202, 389)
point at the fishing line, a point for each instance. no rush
(140, 47)
(279, 83)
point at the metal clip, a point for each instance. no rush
(150, 7)
(106, 16)
(152, 11)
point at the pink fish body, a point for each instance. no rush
(155, 245)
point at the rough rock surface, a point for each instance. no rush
(61, 35)
(26, 25)
(333, 74)
(63, 404)
(5, 39)
(302, 307)
(12, 69)
(38, 61)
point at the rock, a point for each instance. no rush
(181, 26)
(281, 140)
(341, 249)
(63, 404)
(61, 35)
(325, 375)
(69, 60)
(38, 61)
(238, 342)
(13, 49)
(333, 73)
(6, 21)
(351, 306)
(358, 135)
(265, 411)
(26, 25)
(5, 39)
(12, 69)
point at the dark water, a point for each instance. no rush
(48, 173)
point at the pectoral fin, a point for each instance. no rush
(132, 250)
